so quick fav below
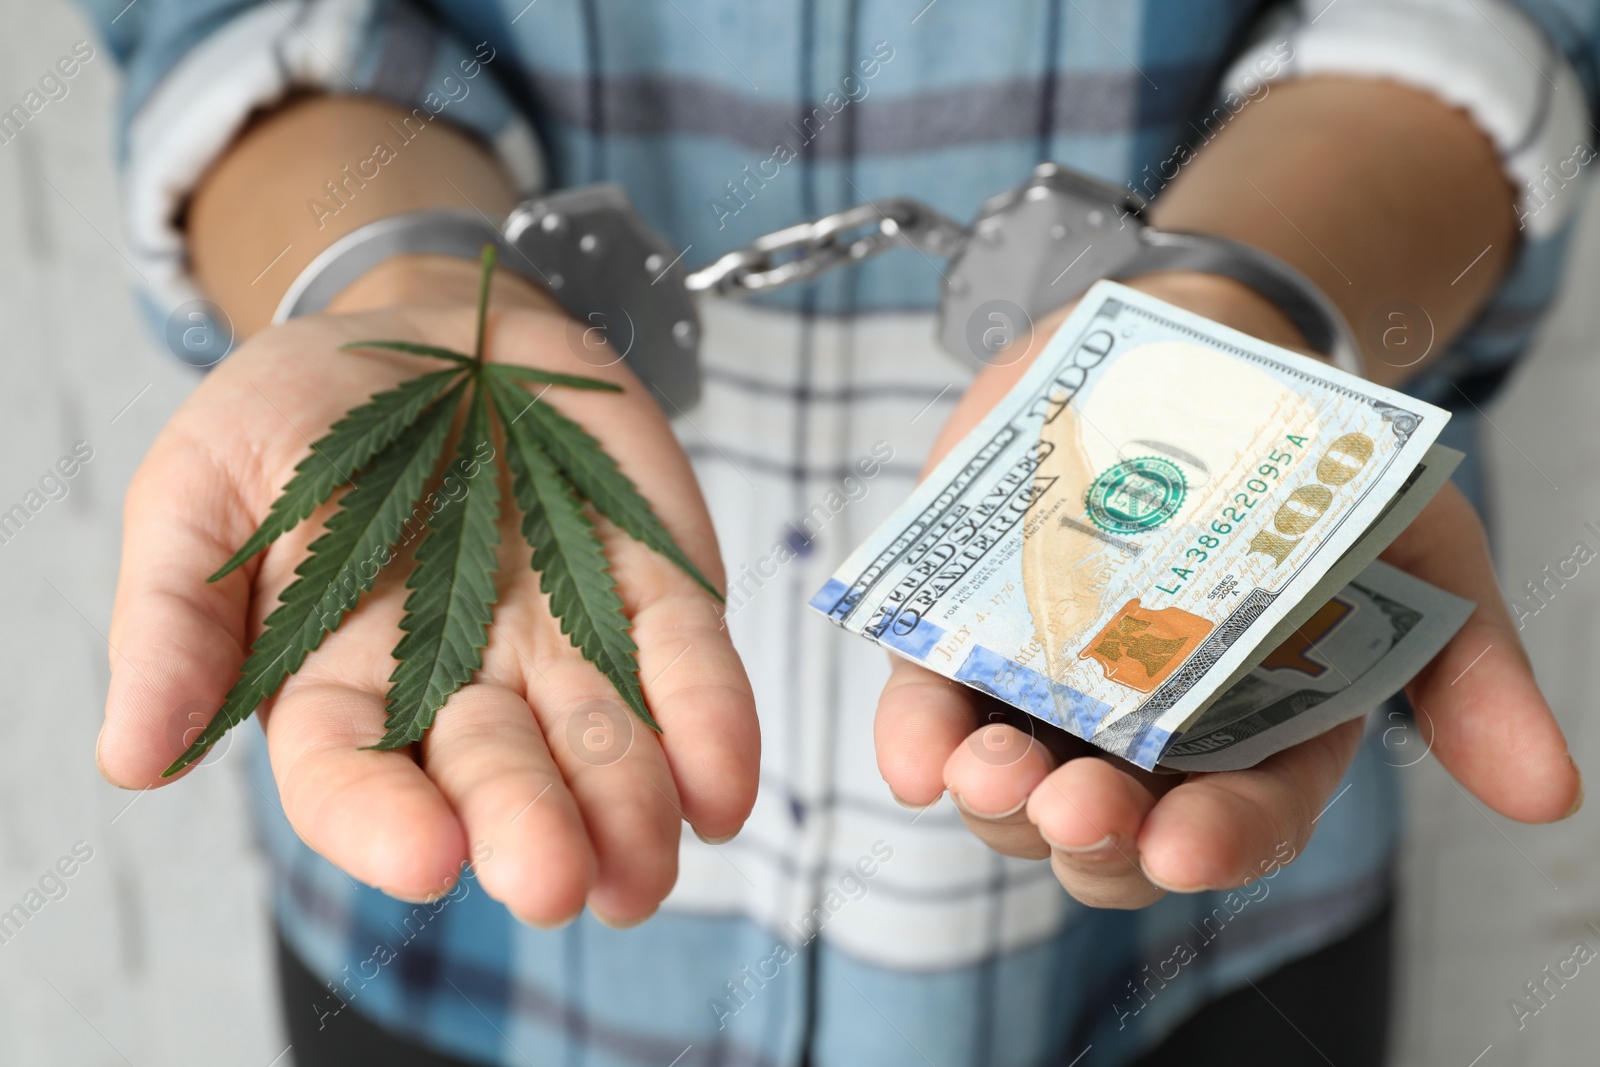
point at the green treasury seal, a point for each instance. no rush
(1136, 495)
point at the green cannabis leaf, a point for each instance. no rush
(452, 590)
(566, 553)
(388, 452)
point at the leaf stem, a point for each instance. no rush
(483, 301)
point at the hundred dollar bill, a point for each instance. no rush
(1124, 531)
(1353, 653)
(1438, 463)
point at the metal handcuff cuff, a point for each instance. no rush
(1030, 250)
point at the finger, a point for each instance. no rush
(375, 814)
(210, 478)
(176, 642)
(618, 775)
(993, 382)
(531, 851)
(1214, 831)
(990, 776)
(1090, 812)
(695, 686)
(922, 718)
(1491, 726)
(631, 427)
(694, 682)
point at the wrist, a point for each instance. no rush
(411, 280)
(1223, 300)
(249, 229)
(1218, 298)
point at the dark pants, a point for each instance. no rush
(1330, 1007)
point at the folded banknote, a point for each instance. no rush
(1157, 508)
(1352, 654)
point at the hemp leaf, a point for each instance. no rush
(388, 451)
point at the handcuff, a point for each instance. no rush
(1030, 250)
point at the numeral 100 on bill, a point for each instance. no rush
(1302, 509)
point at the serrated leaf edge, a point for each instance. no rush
(404, 725)
(280, 519)
(253, 675)
(537, 484)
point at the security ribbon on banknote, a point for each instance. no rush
(1158, 505)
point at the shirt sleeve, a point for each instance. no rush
(196, 70)
(1525, 71)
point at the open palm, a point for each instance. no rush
(1121, 837)
(536, 771)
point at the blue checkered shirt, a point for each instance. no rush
(838, 928)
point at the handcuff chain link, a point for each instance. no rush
(799, 253)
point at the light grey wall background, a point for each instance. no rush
(158, 952)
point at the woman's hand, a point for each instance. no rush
(535, 771)
(1120, 837)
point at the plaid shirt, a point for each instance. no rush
(837, 928)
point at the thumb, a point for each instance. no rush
(176, 642)
(1477, 702)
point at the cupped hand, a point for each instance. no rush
(1119, 837)
(535, 772)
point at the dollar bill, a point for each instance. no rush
(1121, 536)
(1351, 655)
(1436, 467)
